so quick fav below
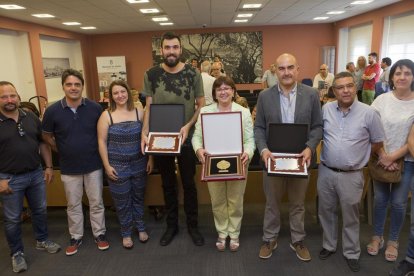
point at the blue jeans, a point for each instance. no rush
(409, 170)
(396, 195)
(31, 185)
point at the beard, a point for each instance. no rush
(10, 107)
(171, 63)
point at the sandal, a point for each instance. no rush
(375, 245)
(127, 243)
(234, 244)
(391, 253)
(143, 237)
(221, 244)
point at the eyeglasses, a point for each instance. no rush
(20, 129)
(342, 87)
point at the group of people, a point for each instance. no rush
(90, 142)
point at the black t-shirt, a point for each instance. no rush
(19, 143)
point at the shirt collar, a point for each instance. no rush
(65, 104)
(293, 91)
(349, 109)
(22, 114)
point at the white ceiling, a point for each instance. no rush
(118, 16)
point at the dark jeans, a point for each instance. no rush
(31, 185)
(186, 164)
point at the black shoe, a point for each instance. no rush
(404, 268)
(353, 264)
(196, 236)
(325, 254)
(168, 236)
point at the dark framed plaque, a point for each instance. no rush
(223, 167)
(285, 164)
(165, 123)
(286, 142)
(223, 141)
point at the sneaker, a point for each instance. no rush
(266, 249)
(48, 245)
(73, 247)
(301, 251)
(102, 243)
(18, 262)
(404, 268)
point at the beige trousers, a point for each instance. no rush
(227, 204)
(74, 185)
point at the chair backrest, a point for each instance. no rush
(307, 82)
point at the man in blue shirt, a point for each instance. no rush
(69, 126)
(351, 128)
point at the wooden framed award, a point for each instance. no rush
(286, 164)
(286, 142)
(223, 141)
(165, 123)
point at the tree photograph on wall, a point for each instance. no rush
(240, 53)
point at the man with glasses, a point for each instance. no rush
(69, 126)
(351, 128)
(287, 102)
(21, 174)
(174, 82)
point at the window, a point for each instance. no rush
(353, 42)
(398, 39)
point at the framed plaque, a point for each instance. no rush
(286, 142)
(223, 141)
(165, 123)
(164, 142)
(286, 164)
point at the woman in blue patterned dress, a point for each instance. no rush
(119, 138)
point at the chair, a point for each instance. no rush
(307, 82)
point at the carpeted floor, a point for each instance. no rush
(181, 257)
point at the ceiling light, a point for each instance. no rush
(88, 28)
(149, 10)
(335, 12)
(166, 23)
(241, 20)
(137, 1)
(12, 7)
(251, 6)
(71, 23)
(361, 2)
(159, 19)
(245, 15)
(321, 18)
(43, 15)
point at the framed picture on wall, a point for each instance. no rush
(54, 67)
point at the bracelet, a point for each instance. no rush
(48, 167)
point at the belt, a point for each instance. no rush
(23, 171)
(339, 170)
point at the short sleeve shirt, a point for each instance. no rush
(19, 147)
(179, 88)
(370, 84)
(75, 134)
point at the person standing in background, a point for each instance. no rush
(370, 77)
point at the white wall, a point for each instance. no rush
(16, 63)
(53, 47)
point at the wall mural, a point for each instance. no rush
(241, 53)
